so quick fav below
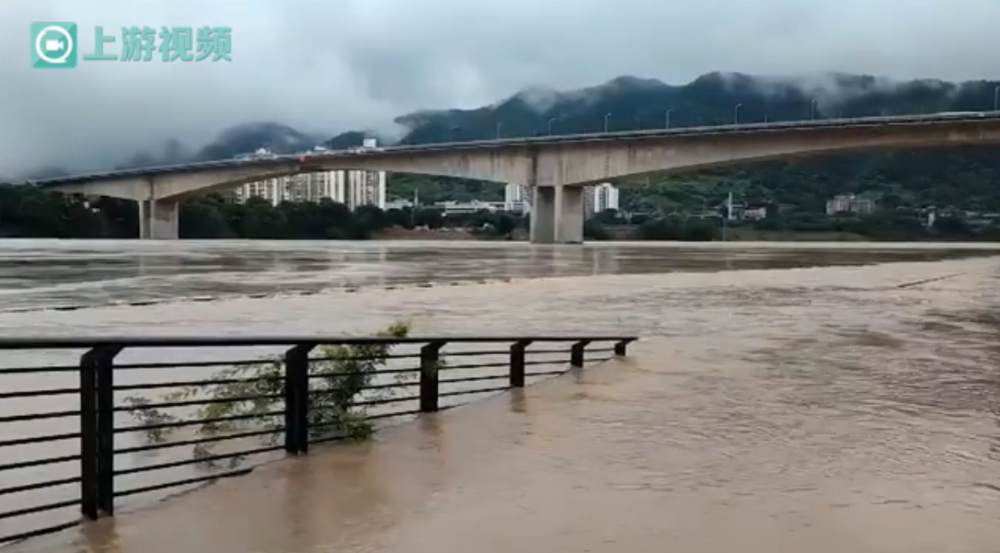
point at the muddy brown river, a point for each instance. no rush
(783, 398)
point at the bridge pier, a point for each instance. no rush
(543, 215)
(557, 215)
(159, 220)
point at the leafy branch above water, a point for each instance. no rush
(250, 398)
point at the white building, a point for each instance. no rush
(850, 203)
(364, 188)
(274, 191)
(755, 213)
(400, 204)
(605, 197)
(351, 188)
(517, 198)
(588, 201)
(475, 206)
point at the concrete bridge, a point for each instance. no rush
(556, 167)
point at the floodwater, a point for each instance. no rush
(783, 398)
(67, 274)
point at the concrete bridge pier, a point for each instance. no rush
(569, 215)
(159, 220)
(543, 215)
(557, 215)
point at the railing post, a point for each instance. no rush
(297, 399)
(429, 358)
(88, 435)
(621, 348)
(576, 353)
(97, 432)
(517, 363)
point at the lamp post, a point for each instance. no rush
(666, 118)
(996, 98)
(736, 114)
(813, 108)
(499, 126)
(607, 116)
(553, 120)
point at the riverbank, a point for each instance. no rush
(752, 235)
(614, 234)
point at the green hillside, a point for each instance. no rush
(963, 178)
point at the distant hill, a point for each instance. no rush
(634, 103)
(966, 177)
(240, 139)
(246, 138)
(350, 139)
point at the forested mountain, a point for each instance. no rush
(961, 177)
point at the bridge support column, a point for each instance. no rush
(569, 215)
(557, 215)
(159, 220)
(543, 215)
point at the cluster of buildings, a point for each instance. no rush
(850, 203)
(358, 188)
(841, 204)
(351, 188)
(596, 199)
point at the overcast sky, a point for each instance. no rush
(332, 65)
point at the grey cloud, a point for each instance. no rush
(326, 66)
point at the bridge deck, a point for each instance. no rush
(631, 456)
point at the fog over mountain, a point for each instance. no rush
(321, 68)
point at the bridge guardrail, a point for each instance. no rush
(100, 445)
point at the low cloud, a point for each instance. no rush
(326, 66)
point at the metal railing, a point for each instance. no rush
(44, 473)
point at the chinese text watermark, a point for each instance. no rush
(54, 45)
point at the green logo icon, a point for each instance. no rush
(53, 45)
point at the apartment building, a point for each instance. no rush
(351, 188)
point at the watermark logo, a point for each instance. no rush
(53, 45)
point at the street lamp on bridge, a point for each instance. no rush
(607, 116)
(552, 120)
(996, 98)
(499, 126)
(813, 108)
(736, 114)
(666, 118)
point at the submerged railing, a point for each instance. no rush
(75, 444)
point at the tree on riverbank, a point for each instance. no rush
(241, 397)
(29, 212)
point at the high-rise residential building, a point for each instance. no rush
(313, 187)
(351, 188)
(605, 197)
(273, 190)
(589, 193)
(365, 188)
(517, 198)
